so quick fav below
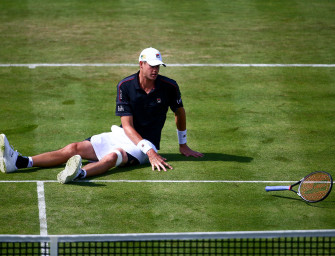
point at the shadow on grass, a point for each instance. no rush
(171, 157)
(174, 157)
(87, 183)
(23, 129)
(208, 157)
(321, 204)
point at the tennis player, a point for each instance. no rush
(142, 102)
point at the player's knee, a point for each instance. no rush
(117, 157)
(71, 149)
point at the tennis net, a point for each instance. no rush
(304, 242)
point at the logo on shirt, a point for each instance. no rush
(159, 100)
(179, 101)
(120, 108)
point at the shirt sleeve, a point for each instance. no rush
(175, 98)
(122, 101)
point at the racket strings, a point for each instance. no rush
(316, 186)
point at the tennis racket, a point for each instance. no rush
(313, 188)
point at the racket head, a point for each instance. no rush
(316, 186)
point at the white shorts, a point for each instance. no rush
(105, 143)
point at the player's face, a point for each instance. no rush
(149, 72)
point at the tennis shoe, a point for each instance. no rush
(8, 155)
(71, 171)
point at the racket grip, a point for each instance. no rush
(276, 188)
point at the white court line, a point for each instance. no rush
(41, 194)
(187, 181)
(35, 65)
(152, 181)
(42, 209)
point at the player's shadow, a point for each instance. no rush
(177, 157)
(171, 157)
(86, 183)
(208, 157)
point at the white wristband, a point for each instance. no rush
(182, 136)
(144, 146)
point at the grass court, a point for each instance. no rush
(257, 126)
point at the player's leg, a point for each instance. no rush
(61, 156)
(11, 160)
(73, 169)
(116, 158)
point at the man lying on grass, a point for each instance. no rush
(142, 102)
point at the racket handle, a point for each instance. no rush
(276, 188)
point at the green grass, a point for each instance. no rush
(19, 214)
(251, 123)
(186, 31)
(129, 208)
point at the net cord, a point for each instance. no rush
(168, 236)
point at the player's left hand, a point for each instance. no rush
(186, 151)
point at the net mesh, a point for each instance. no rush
(284, 245)
(250, 246)
(24, 248)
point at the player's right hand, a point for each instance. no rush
(157, 161)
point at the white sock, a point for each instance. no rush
(30, 163)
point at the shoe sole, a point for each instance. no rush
(72, 167)
(2, 152)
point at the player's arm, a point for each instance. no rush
(155, 159)
(180, 118)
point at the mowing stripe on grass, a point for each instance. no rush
(42, 209)
(34, 65)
